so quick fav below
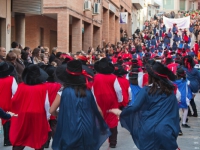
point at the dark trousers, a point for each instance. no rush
(192, 103)
(22, 147)
(113, 137)
(52, 124)
(6, 129)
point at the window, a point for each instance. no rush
(182, 5)
(168, 4)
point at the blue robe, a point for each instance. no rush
(176, 38)
(80, 125)
(152, 120)
(166, 41)
(169, 35)
(160, 33)
(154, 31)
(134, 90)
(164, 29)
(159, 53)
(191, 53)
(193, 76)
(174, 29)
(157, 38)
(174, 46)
(186, 46)
(153, 42)
(180, 45)
(191, 29)
(148, 43)
(185, 92)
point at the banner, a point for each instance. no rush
(123, 17)
(181, 22)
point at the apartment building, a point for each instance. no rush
(176, 5)
(69, 25)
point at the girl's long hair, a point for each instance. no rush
(80, 90)
(161, 86)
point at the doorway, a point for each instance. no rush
(53, 39)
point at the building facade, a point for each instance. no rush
(176, 5)
(69, 25)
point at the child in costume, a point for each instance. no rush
(80, 125)
(186, 95)
(120, 72)
(31, 103)
(153, 119)
(53, 88)
(135, 88)
(8, 87)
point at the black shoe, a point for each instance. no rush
(185, 126)
(7, 144)
(195, 115)
(112, 146)
(180, 133)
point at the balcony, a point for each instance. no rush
(139, 4)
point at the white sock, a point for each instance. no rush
(185, 113)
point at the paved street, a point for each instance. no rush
(189, 141)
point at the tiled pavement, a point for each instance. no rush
(190, 140)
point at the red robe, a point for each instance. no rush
(6, 94)
(124, 84)
(114, 60)
(53, 89)
(173, 67)
(106, 97)
(196, 48)
(31, 127)
(185, 38)
(127, 56)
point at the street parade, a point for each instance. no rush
(147, 83)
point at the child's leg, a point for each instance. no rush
(185, 113)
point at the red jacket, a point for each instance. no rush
(124, 84)
(53, 89)
(106, 97)
(31, 127)
(6, 94)
(173, 67)
(196, 48)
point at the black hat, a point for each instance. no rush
(188, 62)
(159, 71)
(50, 70)
(134, 73)
(180, 72)
(168, 61)
(33, 75)
(119, 70)
(135, 63)
(5, 69)
(70, 73)
(104, 66)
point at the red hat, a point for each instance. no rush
(67, 56)
(83, 58)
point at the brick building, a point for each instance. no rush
(70, 25)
